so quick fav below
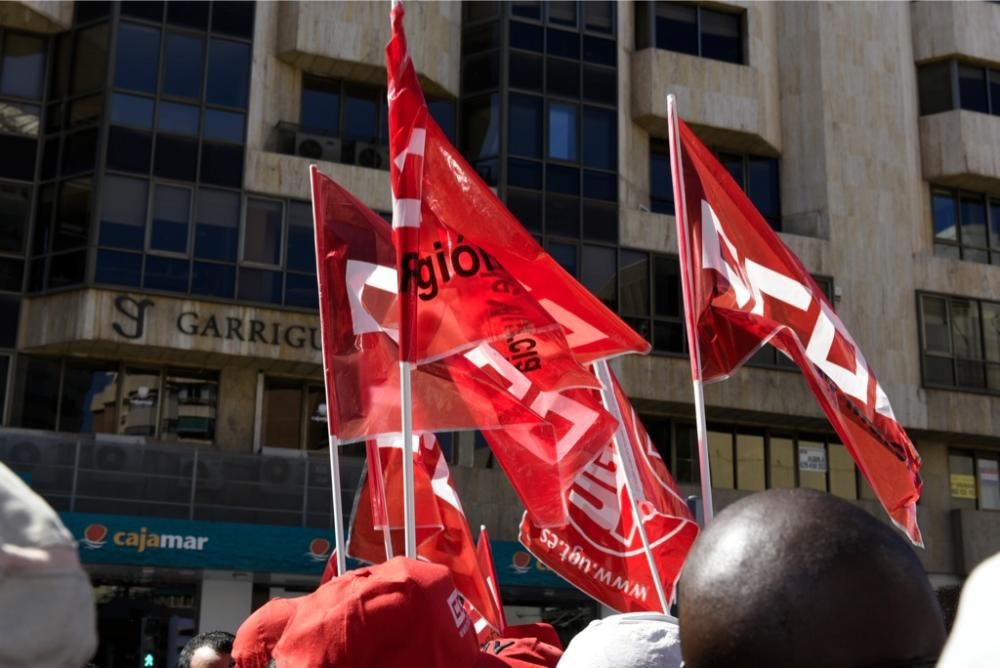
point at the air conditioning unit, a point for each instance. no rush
(109, 457)
(370, 155)
(317, 147)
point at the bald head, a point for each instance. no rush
(796, 578)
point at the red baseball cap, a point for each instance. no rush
(257, 636)
(521, 653)
(544, 632)
(400, 613)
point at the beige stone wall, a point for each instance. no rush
(942, 29)
(36, 15)
(959, 148)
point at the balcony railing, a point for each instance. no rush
(134, 476)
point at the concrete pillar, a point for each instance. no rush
(237, 405)
(226, 600)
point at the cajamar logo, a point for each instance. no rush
(319, 549)
(94, 536)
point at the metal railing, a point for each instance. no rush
(136, 476)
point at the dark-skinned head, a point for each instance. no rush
(801, 578)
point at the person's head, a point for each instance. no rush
(207, 650)
(798, 577)
(632, 640)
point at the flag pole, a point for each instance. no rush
(625, 456)
(687, 275)
(338, 509)
(409, 499)
(376, 478)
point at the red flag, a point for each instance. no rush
(451, 230)
(443, 534)
(484, 553)
(330, 570)
(600, 551)
(750, 289)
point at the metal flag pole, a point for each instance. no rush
(338, 509)
(687, 274)
(632, 484)
(409, 499)
(375, 469)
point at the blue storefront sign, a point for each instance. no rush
(154, 541)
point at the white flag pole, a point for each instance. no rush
(632, 483)
(373, 452)
(687, 273)
(409, 499)
(338, 506)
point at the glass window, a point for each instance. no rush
(301, 290)
(634, 282)
(526, 36)
(89, 397)
(721, 36)
(525, 126)
(524, 174)
(843, 480)
(720, 457)
(598, 16)
(192, 14)
(677, 27)
(300, 254)
(260, 286)
(114, 268)
(11, 274)
(661, 187)
(812, 465)
(562, 43)
(221, 164)
(143, 9)
(531, 9)
(562, 12)
(600, 220)
(129, 151)
(189, 405)
(123, 212)
(937, 329)
(480, 73)
(89, 65)
(566, 180)
(598, 273)
(600, 85)
(282, 420)
(18, 157)
(217, 225)
(4, 371)
(72, 224)
(762, 188)
(989, 483)
(600, 138)
(320, 105)
(164, 273)
(184, 65)
(991, 330)
(972, 93)
(526, 71)
(443, 113)
(973, 216)
(233, 18)
(171, 213)
(962, 477)
(750, 462)
(361, 111)
(15, 206)
(262, 234)
(934, 82)
(85, 111)
(22, 66)
(179, 119)
(600, 185)
(137, 62)
(228, 73)
(213, 280)
(480, 127)
(562, 131)
(79, 152)
(526, 207)
(599, 51)
(36, 393)
(132, 110)
(140, 401)
(10, 308)
(995, 91)
(667, 286)
(563, 77)
(781, 464)
(176, 157)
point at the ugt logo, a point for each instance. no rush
(134, 311)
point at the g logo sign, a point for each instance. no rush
(135, 311)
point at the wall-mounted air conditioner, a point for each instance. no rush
(317, 147)
(371, 155)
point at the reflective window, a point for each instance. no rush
(221, 164)
(143, 9)
(36, 393)
(89, 397)
(966, 225)
(233, 18)
(562, 131)
(525, 126)
(958, 84)
(140, 400)
(90, 62)
(137, 60)
(132, 110)
(301, 254)
(301, 290)
(123, 212)
(260, 286)
(190, 401)
(164, 273)
(18, 157)
(184, 58)
(282, 418)
(15, 207)
(224, 125)
(181, 119)
(72, 221)
(217, 225)
(481, 131)
(115, 268)
(600, 138)
(171, 213)
(129, 150)
(22, 65)
(972, 91)
(176, 158)
(10, 307)
(214, 280)
(262, 233)
(188, 13)
(599, 273)
(934, 83)
(961, 344)
(228, 73)
(320, 108)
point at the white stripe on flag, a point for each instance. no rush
(405, 212)
(416, 147)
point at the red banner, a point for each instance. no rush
(600, 551)
(750, 289)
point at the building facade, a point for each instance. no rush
(159, 354)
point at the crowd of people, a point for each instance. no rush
(780, 578)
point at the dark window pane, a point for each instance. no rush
(228, 73)
(179, 119)
(526, 36)
(479, 11)
(260, 286)
(50, 158)
(762, 188)
(525, 71)
(668, 337)
(529, 9)
(995, 92)
(301, 253)
(15, 206)
(36, 274)
(233, 18)
(973, 217)
(192, 14)
(600, 138)
(72, 225)
(119, 268)
(22, 65)
(123, 212)
(563, 77)
(600, 185)
(734, 165)
(443, 113)
(10, 308)
(480, 127)
(565, 255)
(40, 242)
(361, 109)
(184, 66)
(4, 371)
(524, 174)
(143, 9)
(526, 207)
(965, 329)
(934, 81)
(176, 158)
(163, 273)
(525, 126)
(939, 370)
(634, 280)
(129, 151)
(320, 105)
(18, 160)
(562, 179)
(970, 374)
(598, 16)
(85, 111)
(598, 273)
(677, 27)
(600, 221)
(562, 12)
(67, 269)
(599, 51)
(217, 225)
(994, 224)
(945, 216)
(952, 252)
(488, 170)
(484, 37)
(84, 11)
(666, 286)
(300, 290)
(262, 235)
(222, 164)
(79, 152)
(213, 280)
(481, 73)
(643, 27)
(36, 393)
(972, 92)
(562, 131)
(137, 62)
(171, 213)
(132, 110)
(61, 66)
(562, 43)
(721, 36)
(11, 274)
(90, 62)
(562, 216)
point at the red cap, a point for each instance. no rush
(257, 636)
(544, 632)
(400, 613)
(521, 653)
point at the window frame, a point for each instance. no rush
(985, 363)
(976, 455)
(957, 196)
(648, 14)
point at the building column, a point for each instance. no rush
(226, 600)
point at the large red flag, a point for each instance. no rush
(451, 230)
(443, 534)
(600, 551)
(749, 289)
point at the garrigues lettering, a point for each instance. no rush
(250, 330)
